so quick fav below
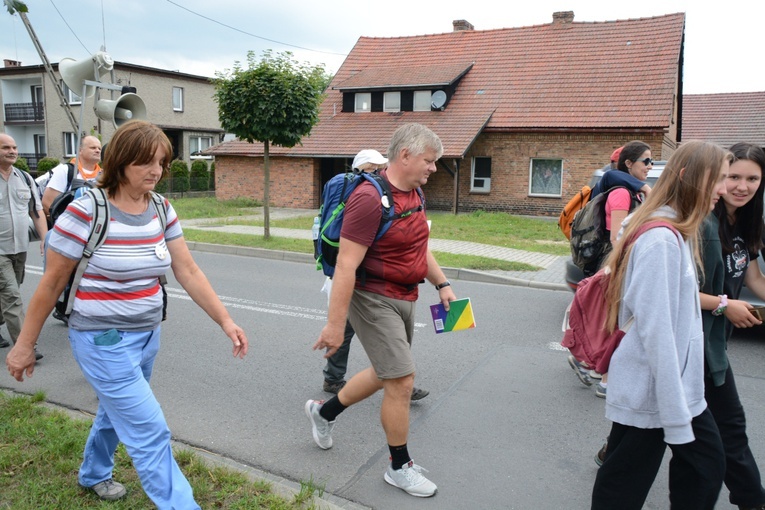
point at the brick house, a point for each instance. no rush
(525, 114)
(725, 119)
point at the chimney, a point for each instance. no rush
(462, 24)
(563, 17)
(11, 63)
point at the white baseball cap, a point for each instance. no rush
(369, 156)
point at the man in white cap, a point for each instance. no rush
(367, 160)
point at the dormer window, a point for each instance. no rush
(392, 102)
(363, 102)
(421, 101)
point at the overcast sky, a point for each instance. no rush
(723, 44)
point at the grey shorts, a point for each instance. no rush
(385, 327)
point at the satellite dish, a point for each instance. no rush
(438, 99)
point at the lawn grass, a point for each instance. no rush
(41, 450)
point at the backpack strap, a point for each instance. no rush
(33, 198)
(159, 207)
(69, 175)
(99, 227)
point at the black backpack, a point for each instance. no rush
(590, 241)
(60, 203)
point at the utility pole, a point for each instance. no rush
(46, 63)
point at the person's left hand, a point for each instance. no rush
(21, 359)
(237, 336)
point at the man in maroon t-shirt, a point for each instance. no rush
(380, 306)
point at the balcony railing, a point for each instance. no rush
(32, 160)
(24, 112)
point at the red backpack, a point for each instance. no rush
(586, 335)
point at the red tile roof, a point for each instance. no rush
(559, 76)
(724, 119)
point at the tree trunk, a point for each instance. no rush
(266, 193)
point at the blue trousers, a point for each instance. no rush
(118, 366)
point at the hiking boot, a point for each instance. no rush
(419, 394)
(410, 480)
(109, 490)
(3, 342)
(60, 316)
(333, 387)
(581, 372)
(600, 390)
(600, 457)
(321, 428)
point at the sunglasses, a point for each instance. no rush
(646, 161)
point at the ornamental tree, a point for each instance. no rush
(275, 101)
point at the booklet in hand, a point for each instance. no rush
(460, 316)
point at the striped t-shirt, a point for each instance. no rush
(120, 287)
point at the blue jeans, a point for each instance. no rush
(118, 366)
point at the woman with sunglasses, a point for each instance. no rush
(732, 238)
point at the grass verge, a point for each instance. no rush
(41, 450)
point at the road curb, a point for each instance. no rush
(289, 256)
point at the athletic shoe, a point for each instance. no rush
(581, 372)
(38, 355)
(600, 390)
(410, 480)
(419, 394)
(109, 490)
(333, 387)
(600, 457)
(321, 428)
(594, 375)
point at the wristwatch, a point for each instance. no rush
(722, 306)
(442, 285)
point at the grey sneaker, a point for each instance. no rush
(581, 372)
(321, 428)
(600, 390)
(109, 490)
(419, 394)
(410, 480)
(333, 387)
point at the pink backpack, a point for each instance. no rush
(586, 335)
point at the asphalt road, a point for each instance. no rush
(507, 424)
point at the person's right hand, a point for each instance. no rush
(739, 315)
(21, 359)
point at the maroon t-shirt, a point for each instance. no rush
(398, 261)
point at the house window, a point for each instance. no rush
(545, 177)
(197, 144)
(421, 100)
(70, 96)
(363, 102)
(392, 102)
(480, 175)
(177, 99)
(70, 144)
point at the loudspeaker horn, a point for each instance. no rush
(74, 72)
(127, 107)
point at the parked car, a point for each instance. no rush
(574, 274)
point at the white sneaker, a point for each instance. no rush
(409, 479)
(321, 428)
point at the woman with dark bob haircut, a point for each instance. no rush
(114, 326)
